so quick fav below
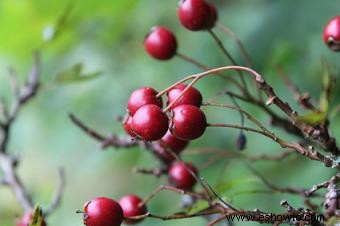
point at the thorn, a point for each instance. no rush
(270, 100)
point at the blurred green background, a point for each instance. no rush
(107, 36)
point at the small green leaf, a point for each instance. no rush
(37, 218)
(312, 118)
(74, 74)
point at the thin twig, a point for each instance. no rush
(57, 197)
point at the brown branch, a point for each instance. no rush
(335, 179)
(202, 66)
(24, 95)
(303, 99)
(11, 179)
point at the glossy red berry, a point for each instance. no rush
(192, 96)
(181, 177)
(130, 206)
(194, 14)
(331, 34)
(26, 220)
(150, 122)
(127, 125)
(102, 211)
(213, 16)
(143, 96)
(188, 122)
(161, 43)
(170, 143)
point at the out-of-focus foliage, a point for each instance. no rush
(106, 36)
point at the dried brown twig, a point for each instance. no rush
(9, 162)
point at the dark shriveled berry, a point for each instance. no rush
(102, 211)
(161, 43)
(150, 122)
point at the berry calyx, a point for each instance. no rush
(331, 34)
(213, 16)
(127, 125)
(180, 175)
(26, 220)
(150, 122)
(161, 43)
(188, 122)
(170, 143)
(141, 97)
(194, 14)
(102, 211)
(192, 96)
(130, 205)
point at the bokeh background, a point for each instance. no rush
(107, 36)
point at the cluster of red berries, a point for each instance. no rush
(103, 211)
(171, 129)
(183, 121)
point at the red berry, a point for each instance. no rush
(194, 14)
(26, 220)
(150, 122)
(192, 96)
(181, 177)
(102, 211)
(127, 125)
(170, 143)
(213, 16)
(130, 206)
(188, 122)
(161, 43)
(331, 34)
(143, 96)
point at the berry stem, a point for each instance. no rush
(168, 188)
(238, 127)
(198, 64)
(228, 55)
(182, 93)
(243, 50)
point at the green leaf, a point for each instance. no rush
(74, 74)
(37, 218)
(312, 118)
